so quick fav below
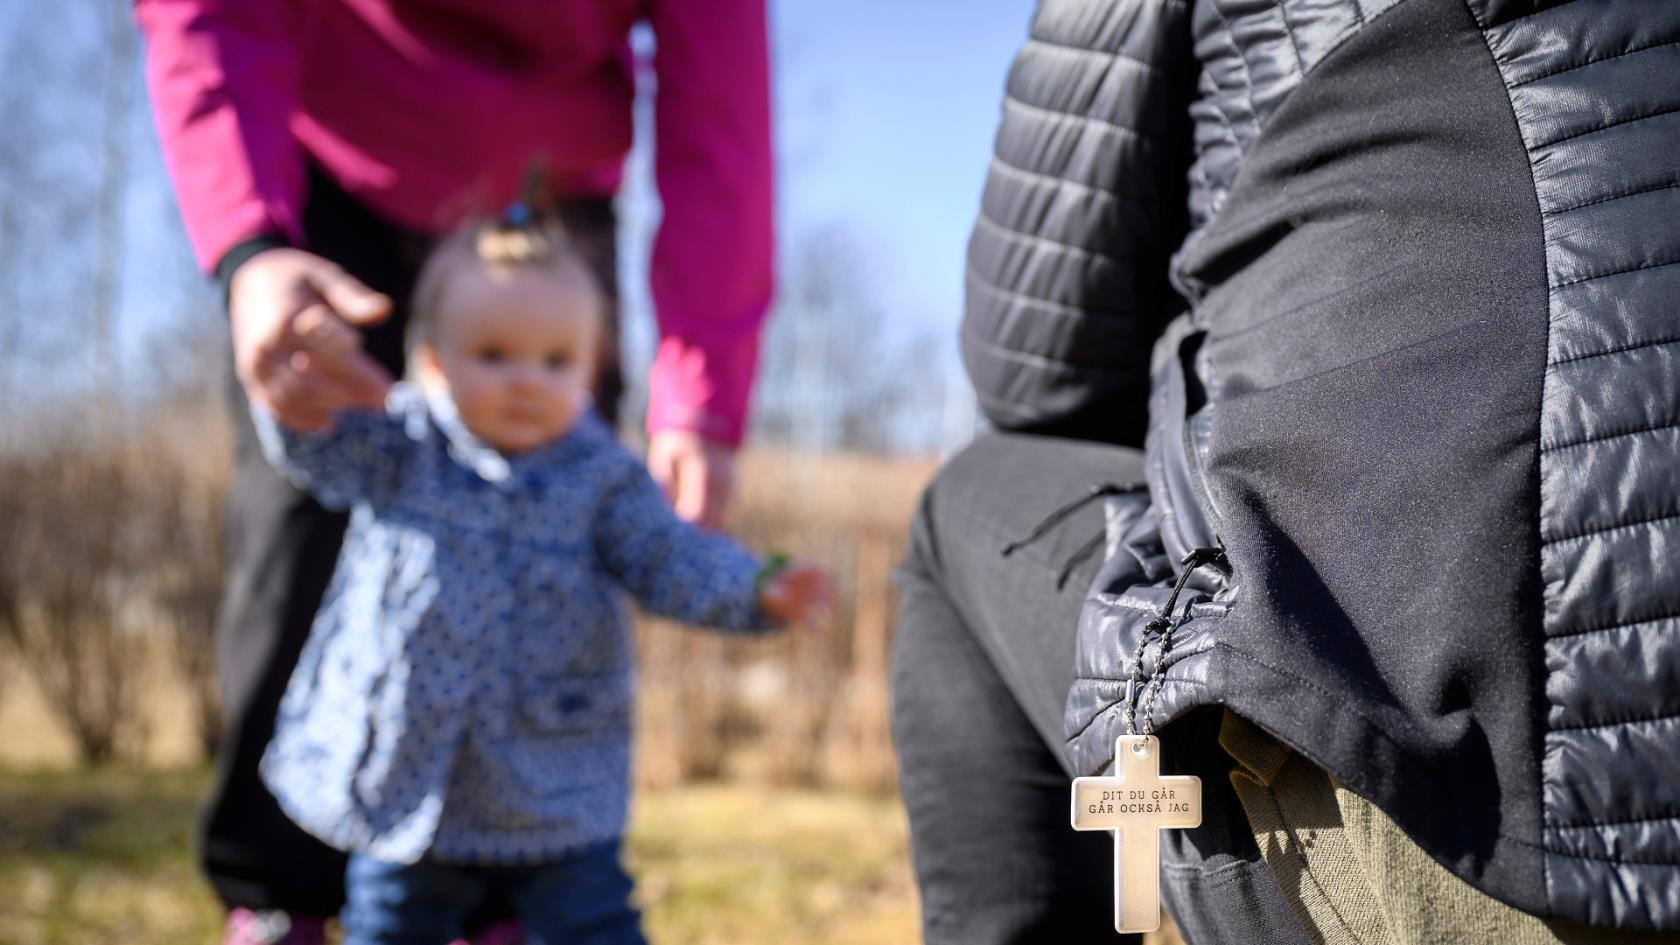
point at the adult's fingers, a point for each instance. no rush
(719, 486)
(697, 476)
(353, 301)
(710, 484)
(308, 421)
(322, 332)
(292, 400)
(341, 383)
(662, 466)
(333, 354)
(366, 379)
(290, 381)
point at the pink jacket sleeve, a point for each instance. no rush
(223, 77)
(711, 271)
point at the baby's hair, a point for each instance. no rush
(519, 238)
(530, 243)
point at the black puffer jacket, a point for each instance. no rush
(1428, 395)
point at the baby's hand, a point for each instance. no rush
(801, 594)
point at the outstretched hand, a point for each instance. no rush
(294, 346)
(800, 594)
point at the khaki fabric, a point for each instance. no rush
(1353, 878)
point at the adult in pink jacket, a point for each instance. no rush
(316, 148)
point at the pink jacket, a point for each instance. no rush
(427, 110)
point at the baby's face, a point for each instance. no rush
(515, 349)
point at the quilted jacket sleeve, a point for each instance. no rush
(1084, 206)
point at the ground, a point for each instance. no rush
(102, 857)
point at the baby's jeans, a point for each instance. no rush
(583, 899)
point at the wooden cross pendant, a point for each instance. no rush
(1137, 804)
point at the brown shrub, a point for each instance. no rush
(106, 541)
(103, 545)
(69, 574)
(190, 455)
(795, 708)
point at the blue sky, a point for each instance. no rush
(887, 111)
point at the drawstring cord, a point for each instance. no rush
(1162, 625)
(1073, 561)
(1095, 492)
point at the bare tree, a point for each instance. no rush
(121, 44)
(181, 517)
(839, 371)
(189, 589)
(72, 566)
(72, 573)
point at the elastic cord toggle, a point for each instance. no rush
(1161, 625)
(1195, 558)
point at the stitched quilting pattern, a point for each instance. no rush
(1592, 87)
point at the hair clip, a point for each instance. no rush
(517, 214)
(534, 194)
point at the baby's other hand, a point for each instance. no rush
(801, 594)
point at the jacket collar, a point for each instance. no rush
(468, 449)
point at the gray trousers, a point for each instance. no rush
(981, 667)
(981, 664)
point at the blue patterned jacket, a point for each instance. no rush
(465, 692)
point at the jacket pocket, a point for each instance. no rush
(571, 738)
(552, 705)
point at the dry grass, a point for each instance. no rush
(724, 865)
(100, 858)
(103, 858)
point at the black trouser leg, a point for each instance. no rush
(282, 547)
(981, 665)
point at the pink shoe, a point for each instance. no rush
(273, 927)
(502, 933)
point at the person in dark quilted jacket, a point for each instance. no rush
(1358, 318)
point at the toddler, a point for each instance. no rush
(459, 720)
